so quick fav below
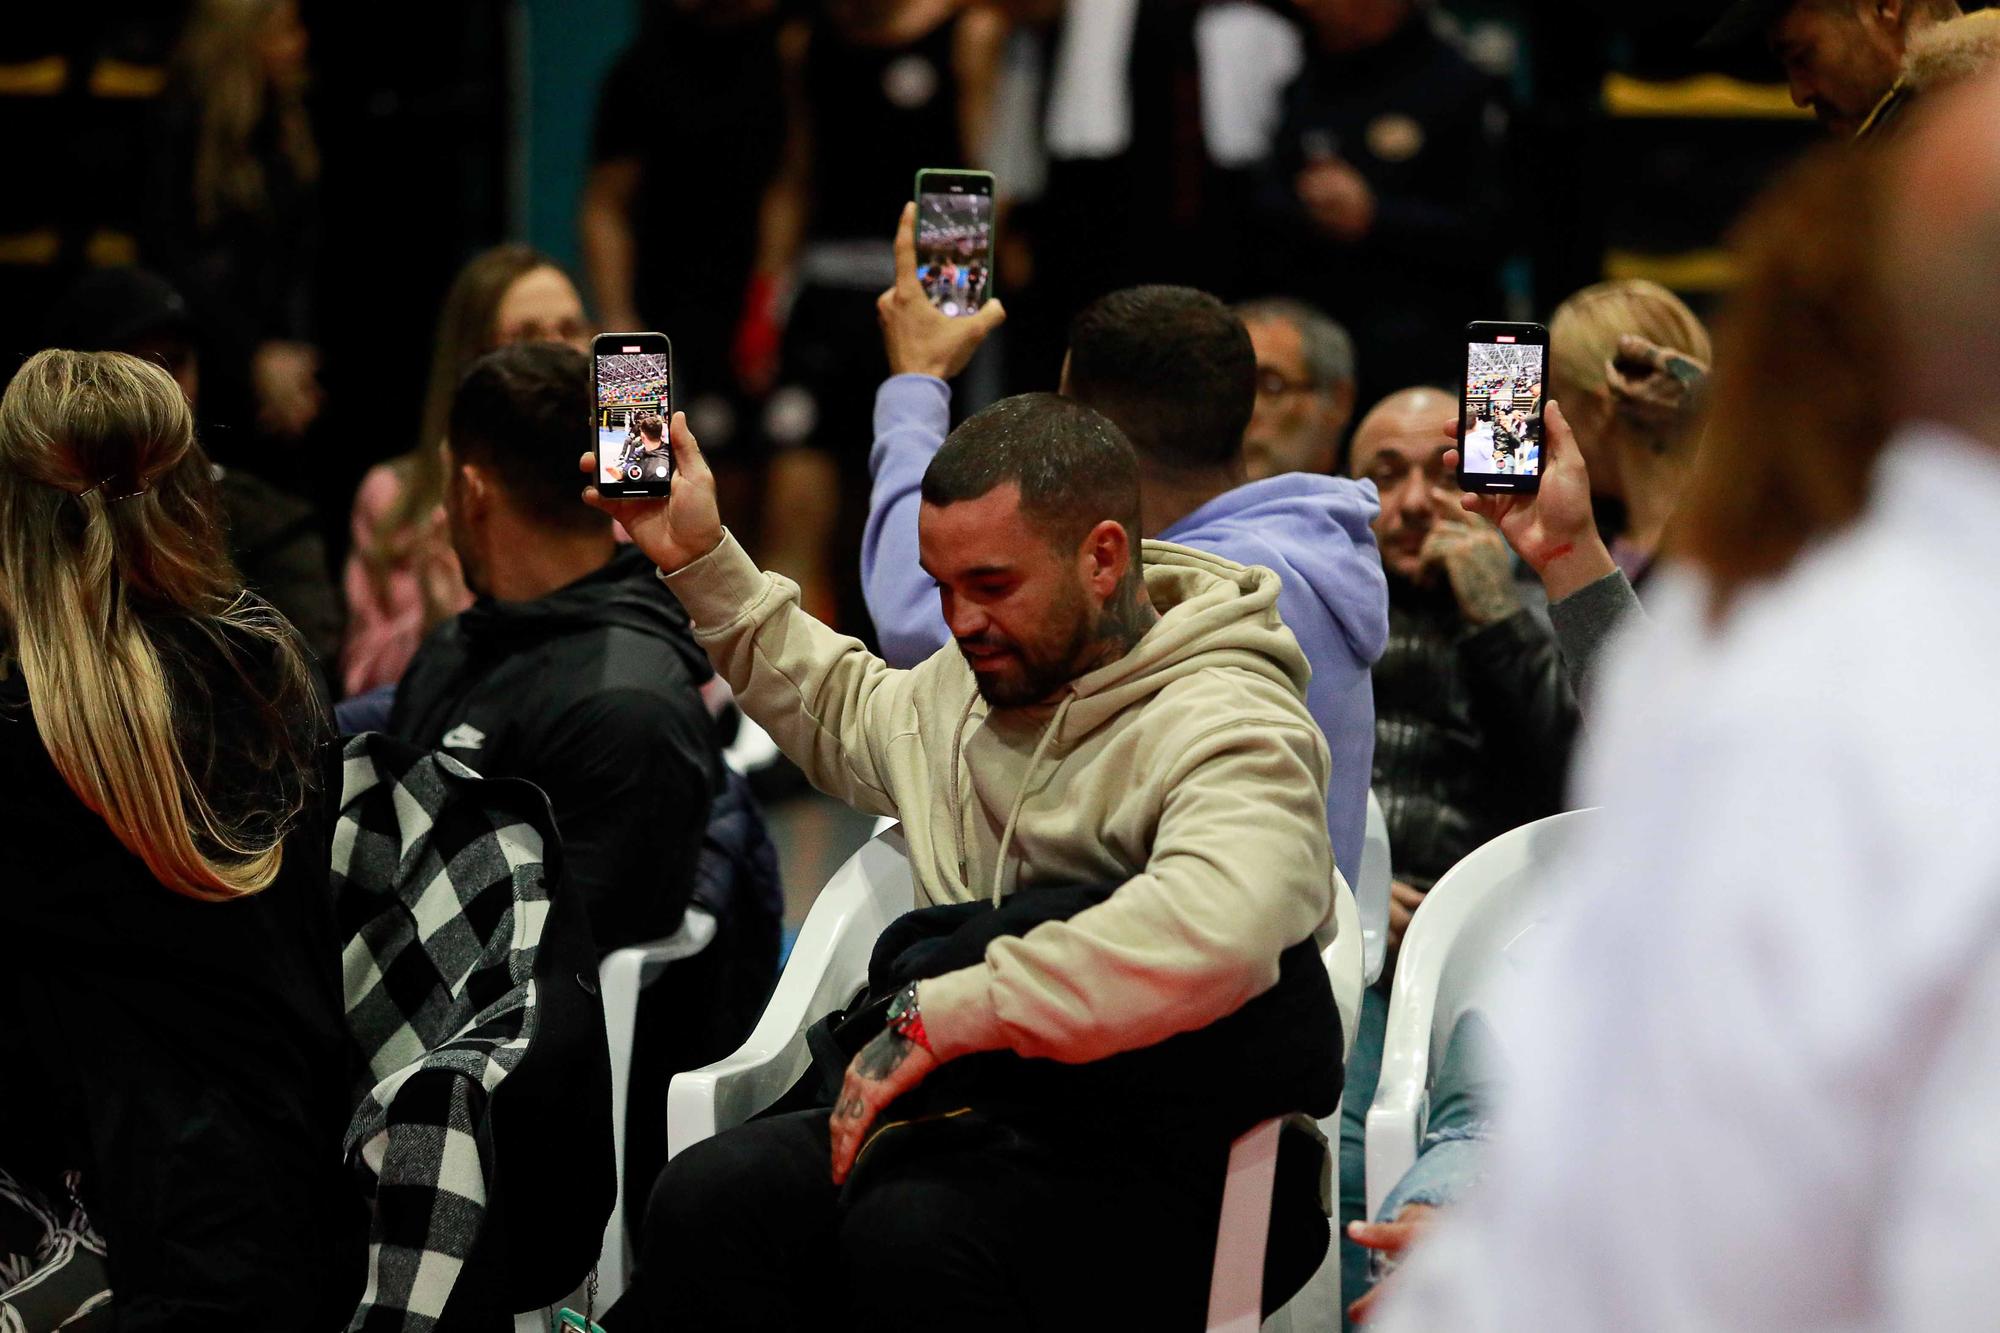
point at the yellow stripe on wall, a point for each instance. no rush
(118, 78)
(1704, 96)
(111, 249)
(1690, 271)
(31, 247)
(34, 78)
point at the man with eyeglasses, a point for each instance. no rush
(1305, 389)
(1173, 368)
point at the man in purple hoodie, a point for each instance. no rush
(1174, 369)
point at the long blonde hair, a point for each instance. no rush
(467, 330)
(111, 556)
(220, 64)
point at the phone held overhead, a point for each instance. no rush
(955, 238)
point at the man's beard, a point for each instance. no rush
(1035, 671)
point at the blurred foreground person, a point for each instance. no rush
(1771, 1016)
(170, 1007)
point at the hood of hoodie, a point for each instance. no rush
(1316, 528)
(624, 593)
(1213, 612)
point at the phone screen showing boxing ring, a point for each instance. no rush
(955, 239)
(632, 377)
(1500, 411)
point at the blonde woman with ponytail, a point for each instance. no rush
(169, 985)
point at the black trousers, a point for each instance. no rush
(950, 1224)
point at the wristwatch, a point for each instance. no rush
(906, 1017)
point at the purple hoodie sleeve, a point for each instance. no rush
(912, 417)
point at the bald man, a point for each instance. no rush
(1473, 714)
(1753, 1073)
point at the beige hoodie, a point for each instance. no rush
(1189, 769)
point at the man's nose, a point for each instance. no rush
(1802, 90)
(965, 618)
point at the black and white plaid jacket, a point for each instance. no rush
(484, 1134)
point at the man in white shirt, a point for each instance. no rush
(1754, 1081)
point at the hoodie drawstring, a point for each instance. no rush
(951, 792)
(1021, 796)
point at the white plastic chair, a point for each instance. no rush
(827, 969)
(1474, 927)
(1236, 1289)
(622, 975)
(829, 966)
(1371, 893)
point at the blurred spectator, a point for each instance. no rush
(875, 90)
(690, 122)
(1155, 119)
(171, 1023)
(274, 539)
(1305, 389)
(1473, 715)
(1843, 58)
(1390, 172)
(236, 216)
(1782, 1035)
(1635, 429)
(402, 577)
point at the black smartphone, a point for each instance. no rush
(955, 238)
(632, 403)
(1500, 407)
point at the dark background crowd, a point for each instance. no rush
(311, 188)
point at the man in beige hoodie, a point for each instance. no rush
(1110, 713)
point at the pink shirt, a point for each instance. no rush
(388, 613)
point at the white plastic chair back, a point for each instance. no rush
(1371, 892)
(621, 977)
(1479, 922)
(1236, 1289)
(827, 969)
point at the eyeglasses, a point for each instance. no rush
(1273, 383)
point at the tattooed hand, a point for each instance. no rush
(886, 1068)
(1474, 556)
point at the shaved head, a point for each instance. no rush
(1401, 447)
(1942, 261)
(1403, 407)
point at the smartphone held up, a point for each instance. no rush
(632, 405)
(1500, 408)
(955, 239)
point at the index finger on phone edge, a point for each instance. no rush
(906, 251)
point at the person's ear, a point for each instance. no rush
(475, 488)
(1340, 407)
(1106, 555)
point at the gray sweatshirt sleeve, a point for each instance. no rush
(1585, 621)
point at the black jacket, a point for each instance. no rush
(190, 1059)
(593, 694)
(1473, 729)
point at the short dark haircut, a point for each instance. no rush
(1075, 468)
(1173, 367)
(521, 412)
